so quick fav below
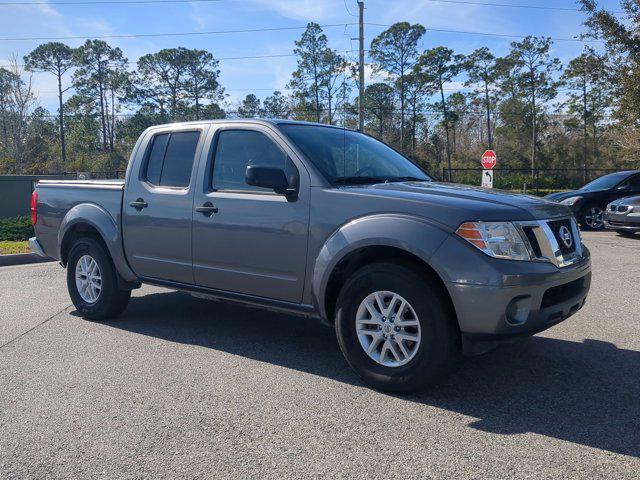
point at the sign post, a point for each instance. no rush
(489, 160)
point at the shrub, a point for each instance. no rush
(15, 229)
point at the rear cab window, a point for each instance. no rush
(170, 159)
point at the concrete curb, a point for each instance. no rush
(22, 259)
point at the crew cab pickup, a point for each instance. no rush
(324, 222)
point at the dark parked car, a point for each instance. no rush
(623, 215)
(589, 202)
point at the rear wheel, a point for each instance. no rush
(92, 281)
(591, 217)
(395, 328)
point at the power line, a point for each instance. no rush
(513, 5)
(501, 35)
(106, 2)
(176, 34)
(347, 9)
(221, 59)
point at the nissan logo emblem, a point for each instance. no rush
(565, 236)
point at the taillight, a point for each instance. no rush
(34, 208)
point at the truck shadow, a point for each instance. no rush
(582, 392)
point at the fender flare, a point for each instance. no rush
(102, 221)
(414, 235)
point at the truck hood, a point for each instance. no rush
(463, 202)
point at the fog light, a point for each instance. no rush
(518, 310)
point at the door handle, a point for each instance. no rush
(207, 209)
(139, 204)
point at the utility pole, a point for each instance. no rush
(361, 66)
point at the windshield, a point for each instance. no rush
(606, 182)
(348, 157)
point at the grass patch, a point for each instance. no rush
(10, 247)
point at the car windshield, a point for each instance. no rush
(348, 157)
(606, 182)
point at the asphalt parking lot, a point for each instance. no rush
(180, 387)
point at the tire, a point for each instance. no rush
(110, 301)
(587, 220)
(439, 342)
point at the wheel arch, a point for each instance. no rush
(409, 240)
(89, 219)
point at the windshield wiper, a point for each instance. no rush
(358, 180)
(406, 179)
(362, 180)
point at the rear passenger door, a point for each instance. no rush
(256, 241)
(158, 204)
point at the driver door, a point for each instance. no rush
(254, 241)
(630, 186)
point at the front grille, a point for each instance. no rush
(562, 293)
(533, 241)
(563, 235)
(545, 243)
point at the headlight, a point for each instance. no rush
(571, 201)
(496, 239)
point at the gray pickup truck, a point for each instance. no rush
(323, 222)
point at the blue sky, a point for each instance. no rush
(261, 76)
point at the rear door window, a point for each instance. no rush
(156, 157)
(171, 159)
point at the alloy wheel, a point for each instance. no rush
(388, 328)
(593, 218)
(88, 279)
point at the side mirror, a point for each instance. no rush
(268, 177)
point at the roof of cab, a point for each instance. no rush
(263, 121)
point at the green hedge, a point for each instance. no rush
(15, 229)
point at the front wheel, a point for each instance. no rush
(591, 217)
(92, 281)
(395, 327)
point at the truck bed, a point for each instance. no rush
(58, 198)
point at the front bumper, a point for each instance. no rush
(626, 222)
(523, 302)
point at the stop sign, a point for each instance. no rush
(489, 159)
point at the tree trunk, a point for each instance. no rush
(402, 110)
(533, 131)
(174, 101)
(488, 105)
(584, 137)
(197, 99)
(63, 144)
(316, 91)
(414, 130)
(113, 120)
(446, 127)
(102, 112)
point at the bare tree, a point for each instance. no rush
(16, 105)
